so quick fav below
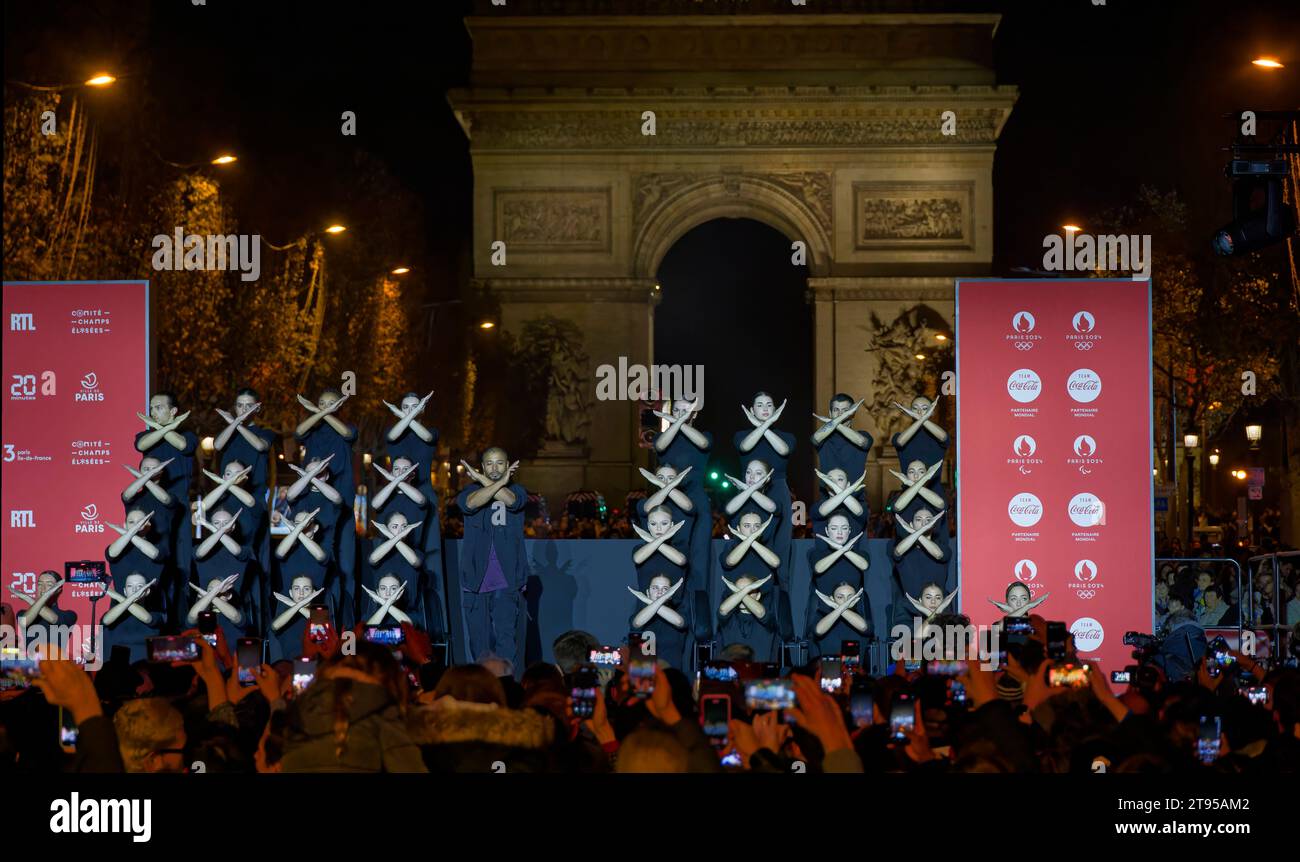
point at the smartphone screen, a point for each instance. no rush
(956, 691)
(1056, 641)
(67, 731)
(385, 635)
(304, 674)
(208, 627)
(439, 655)
(172, 648)
(944, 667)
(850, 652)
(584, 688)
(17, 668)
(764, 695)
(249, 656)
(318, 624)
(715, 718)
(1207, 742)
(606, 656)
(860, 703)
(641, 667)
(1256, 694)
(720, 671)
(1123, 677)
(832, 675)
(902, 717)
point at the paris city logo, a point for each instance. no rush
(89, 522)
(1084, 335)
(1024, 385)
(1025, 510)
(1084, 385)
(1022, 329)
(89, 389)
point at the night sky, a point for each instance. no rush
(1111, 97)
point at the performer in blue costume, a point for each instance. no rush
(663, 602)
(773, 448)
(838, 608)
(839, 496)
(920, 554)
(413, 452)
(137, 613)
(392, 554)
(138, 548)
(493, 563)
(164, 441)
(921, 549)
(41, 618)
(292, 612)
(245, 442)
(305, 576)
(323, 434)
(754, 507)
(838, 445)
(747, 615)
(683, 446)
(147, 494)
(313, 492)
(226, 580)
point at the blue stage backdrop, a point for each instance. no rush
(582, 584)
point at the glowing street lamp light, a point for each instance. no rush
(225, 159)
(401, 270)
(1191, 441)
(103, 79)
(1071, 228)
(335, 228)
(1253, 433)
(487, 324)
(1267, 63)
(1214, 459)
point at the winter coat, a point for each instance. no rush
(457, 736)
(376, 741)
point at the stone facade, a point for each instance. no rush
(828, 127)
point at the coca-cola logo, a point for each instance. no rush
(1023, 322)
(1024, 385)
(1084, 385)
(1085, 446)
(1025, 446)
(1088, 634)
(1086, 510)
(1025, 510)
(1084, 322)
(1026, 571)
(1085, 570)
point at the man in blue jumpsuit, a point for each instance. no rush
(493, 564)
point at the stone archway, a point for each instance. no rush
(831, 128)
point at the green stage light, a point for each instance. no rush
(726, 484)
(714, 475)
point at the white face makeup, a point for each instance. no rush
(401, 465)
(388, 587)
(659, 586)
(681, 408)
(45, 583)
(660, 521)
(1018, 597)
(920, 404)
(147, 464)
(750, 524)
(300, 589)
(763, 407)
(396, 522)
(838, 407)
(161, 409)
(244, 404)
(666, 473)
(842, 593)
(233, 469)
(922, 519)
(409, 403)
(915, 470)
(133, 585)
(754, 472)
(134, 517)
(838, 529)
(213, 584)
(932, 597)
(838, 478)
(221, 518)
(495, 464)
(327, 400)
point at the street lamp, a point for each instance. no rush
(1253, 433)
(1071, 228)
(103, 79)
(335, 228)
(1190, 442)
(224, 159)
(1267, 63)
(1214, 459)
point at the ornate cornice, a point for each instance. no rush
(921, 288)
(598, 289)
(541, 119)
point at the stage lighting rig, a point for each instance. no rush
(1252, 168)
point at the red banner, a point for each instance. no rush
(76, 371)
(1054, 454)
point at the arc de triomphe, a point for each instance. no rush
(831, 128)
